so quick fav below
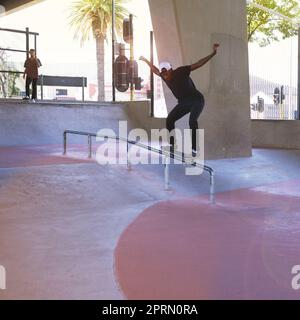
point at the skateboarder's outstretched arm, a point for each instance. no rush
(203, 61)
(152, 67)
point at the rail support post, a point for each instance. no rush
(90, 146)
(212, 188)
(65, 143)
(167, 173)
(128, 158)
(42, 87)
(83, 86)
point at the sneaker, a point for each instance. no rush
(26, 98)
(33, 100)
(191, 158)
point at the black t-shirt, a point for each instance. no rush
(181, 84)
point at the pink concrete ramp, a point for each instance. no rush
(42, 155)
(244, 247)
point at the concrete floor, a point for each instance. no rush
(243, 247)
(60, 222)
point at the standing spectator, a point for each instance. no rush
(31, 65)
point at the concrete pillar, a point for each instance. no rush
(185, 31)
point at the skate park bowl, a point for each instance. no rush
(137, 240)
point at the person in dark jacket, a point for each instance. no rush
(31, 65)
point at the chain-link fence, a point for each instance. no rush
(272, 100)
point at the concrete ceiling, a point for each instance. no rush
(13, 5)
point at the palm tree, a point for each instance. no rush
(95, 17)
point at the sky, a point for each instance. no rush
(56, 43)
(276, 62)
(53, 28)
(62, 54)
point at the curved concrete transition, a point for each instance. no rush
(244, 247)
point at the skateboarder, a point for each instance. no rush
(31, 65)
(190, 100)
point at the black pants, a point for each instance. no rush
(34, 87)
(192, 106)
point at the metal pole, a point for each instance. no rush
(42, 87)
(298, 104)
(27, 43)
(65, 143)
(151, 74)
(131, 53)
(113, 52)
(212, 188)
(17, 31)
(128, 160)
(35, 44)
(83, 86)
(90, 146)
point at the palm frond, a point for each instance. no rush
(94, 17)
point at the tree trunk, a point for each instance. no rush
(3, 81)
(100, 68)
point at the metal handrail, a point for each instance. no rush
(11, 71)
(13, 50)
(19, 31)
(147, 147)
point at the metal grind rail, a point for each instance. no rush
(147, 147)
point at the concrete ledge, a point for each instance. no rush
(59, 103)
(43, 122)
(25, 123)
(276, 134)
